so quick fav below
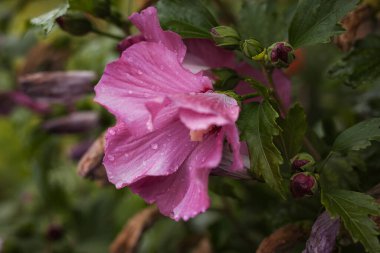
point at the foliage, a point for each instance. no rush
(316, 21)
(361, 65)
(353, 208)
(337, 125)
(258, 127)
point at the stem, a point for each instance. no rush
(228, 16)
(268, 75)
(311, 148)
(248, 96)
(109, 35)
(326, 160)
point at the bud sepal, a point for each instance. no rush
(225, 36)
(281, 54)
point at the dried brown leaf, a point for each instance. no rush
(128, 239)
(283, 239)
(90, 166)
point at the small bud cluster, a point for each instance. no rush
(303, 183)
(279, 54)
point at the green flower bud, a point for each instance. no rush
(253, 49)
(281, 54)
(225, 36)
(302, 162)
(75, 24)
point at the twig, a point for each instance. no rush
(128, 239)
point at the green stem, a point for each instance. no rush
(268, 75)
(331, 153)
(248, 96)
(109, 35)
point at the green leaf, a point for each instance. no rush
(100, 8)
(354, 208)
(190, 19)
(293, 130)
(265, 21)
(257, 124)
(47, 21)
(361, 65)
(315, 21)
(358, 136)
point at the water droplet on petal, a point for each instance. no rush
(112, 132)
(154, 146)
(139, 72)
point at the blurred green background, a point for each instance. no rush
(46, 207)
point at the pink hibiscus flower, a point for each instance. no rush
(171, 126)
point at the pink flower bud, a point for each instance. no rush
(303, 184)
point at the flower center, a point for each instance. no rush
(197, 135)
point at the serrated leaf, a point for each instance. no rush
(354, 209)
(190, 19)
(259, 19)
(293, 130)
(358, 136)
(315, 21)
(257, 124)
(361, 65)
(47, 21)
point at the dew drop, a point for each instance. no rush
(154, 146)
(139, 72)
(112, 132)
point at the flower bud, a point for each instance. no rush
(75, 24)
(303, 184)
(225, 36)
(54, 232)
(302, 161)
(253, 49)
(281, 54)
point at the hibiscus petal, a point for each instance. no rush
(159, 153)
(205, 52)
(147, 22)
(200, 111)
(145, 71)
(184, 194)
(232, 135)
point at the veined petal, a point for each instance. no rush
(184, 194)
(145, 71)
(204, 52)
(200, 111)
(159, 153)
(232, 135)
(147, 22)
